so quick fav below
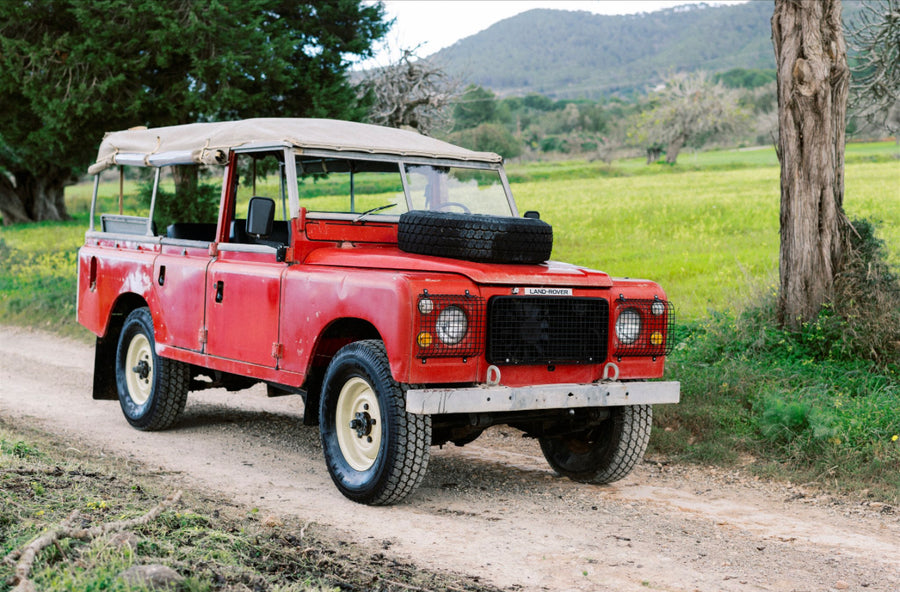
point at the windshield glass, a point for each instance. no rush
(455, 189)
(337, 185)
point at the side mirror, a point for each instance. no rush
(533, 214)
(260, 216)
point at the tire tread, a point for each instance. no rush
(172, 380)
(475, 237)
(408, 462)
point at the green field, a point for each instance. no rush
(709, 238)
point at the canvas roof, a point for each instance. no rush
(209, 143)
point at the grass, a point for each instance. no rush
(707, 231)
(706, 237)
(751, 392)
(214, 546)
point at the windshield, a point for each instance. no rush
(355, 186)
(455, 189)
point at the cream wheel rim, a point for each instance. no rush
(139, 369)
(358, 424)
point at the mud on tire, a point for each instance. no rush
(475, 237)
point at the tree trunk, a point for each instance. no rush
(26, 197)
(674, 148)
(811, 61)
(187, 179)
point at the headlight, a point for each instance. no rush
(451, 325)
(628, 326)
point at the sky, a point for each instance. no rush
(436, 24)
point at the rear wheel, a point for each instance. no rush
(376, 452)
(152, 390)
(605, 453)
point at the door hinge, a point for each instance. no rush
(277, 350)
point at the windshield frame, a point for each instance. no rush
(402, 164)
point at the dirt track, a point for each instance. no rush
(492, 509)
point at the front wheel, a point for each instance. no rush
(152, 390)
(605, 453)
(376, 452)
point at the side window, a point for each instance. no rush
(350, 186)
(186, 204)
(260, 175)
(187, 201)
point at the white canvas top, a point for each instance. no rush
(209, 143)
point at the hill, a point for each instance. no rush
(575, 54)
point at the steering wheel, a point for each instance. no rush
(454, 204)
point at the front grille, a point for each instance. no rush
(540, 330)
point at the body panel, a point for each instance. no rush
(109, 268)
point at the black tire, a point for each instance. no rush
(152, 390)
(606, 453)
(475, 237)
(378, 458)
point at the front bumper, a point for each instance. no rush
(492, 399)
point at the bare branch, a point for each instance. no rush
(67, 530)
(412, 93)
(875, 37)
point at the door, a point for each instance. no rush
(243, 294)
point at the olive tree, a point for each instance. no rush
(812, 83)
(72, 69)
(688, 108)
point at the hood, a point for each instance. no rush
(551, 273)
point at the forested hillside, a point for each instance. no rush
(565, 54)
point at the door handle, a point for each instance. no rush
(220, 290)
(162, 275)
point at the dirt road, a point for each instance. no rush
(492, 509)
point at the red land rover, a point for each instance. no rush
(384, 276)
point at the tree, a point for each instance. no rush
(488, 137)
(410, 93)
(875, 37)
(73, 69)
(812, 80)
(477, 105)
(688, 109)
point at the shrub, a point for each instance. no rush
(863, 320)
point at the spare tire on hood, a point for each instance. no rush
(475, 237)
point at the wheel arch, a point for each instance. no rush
(336, 335)
(104, 386)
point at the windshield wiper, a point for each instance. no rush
(372, 211)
